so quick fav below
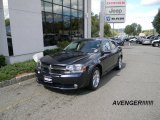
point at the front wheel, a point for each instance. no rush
(95, 79)
(119, 63)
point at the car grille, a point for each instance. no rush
(53, 69)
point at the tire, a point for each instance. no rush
(95, 79)
(119, 64)
(156, 44)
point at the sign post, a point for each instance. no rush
(112, 11)
(115, 11)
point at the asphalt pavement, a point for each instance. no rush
(138, 80)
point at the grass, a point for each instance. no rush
(11, 71)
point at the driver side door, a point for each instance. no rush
(106, 56)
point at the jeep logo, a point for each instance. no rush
(114, 11)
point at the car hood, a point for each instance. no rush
(66, 58)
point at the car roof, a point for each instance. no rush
(90, 39)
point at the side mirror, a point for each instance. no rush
(105, 52)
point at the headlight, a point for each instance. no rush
(39, 64)
(77, 68)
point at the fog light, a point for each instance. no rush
(75, 86)
(39, 72)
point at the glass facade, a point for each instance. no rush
(62, 20)
(8, 27)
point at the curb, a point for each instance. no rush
(16, 80)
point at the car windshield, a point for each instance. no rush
(87, 46)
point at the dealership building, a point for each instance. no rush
(28, 27)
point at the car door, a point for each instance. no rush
(115, 52)
(106, 58)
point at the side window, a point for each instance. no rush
(106, 46)
(113, 45)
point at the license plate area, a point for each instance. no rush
(48, 79)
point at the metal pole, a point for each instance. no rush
(101, 24)
(113, 29)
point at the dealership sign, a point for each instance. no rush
(115, 11)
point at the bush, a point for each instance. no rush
(62, 44)
(2, 61)
(10, 71)
(51, 51)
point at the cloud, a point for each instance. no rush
(150, 2)
(144, 19)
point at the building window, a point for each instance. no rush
(57, 9)
(8, 28)
(48, 7)
(67, 3)
(59, 2)
(62, 20)
(74, 4)
(81, 5)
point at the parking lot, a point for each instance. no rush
(138, 80)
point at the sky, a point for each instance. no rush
(137, 11)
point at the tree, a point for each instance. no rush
(128, 30)
(133, 29)
(107, 30)
(95, 25)
(156, 22)
(139, 29)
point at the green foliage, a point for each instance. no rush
(156, 22)
(62, 44)
(10, 71)
(95, 25)
(2, 61)
(51, 51)
(133, 29)
(7, 22)
(107, 30)
(149, 32)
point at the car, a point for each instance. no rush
(81, 64)
(146, 41)
(156, 43)
(140, 39)
(119, 41)
(133, 39)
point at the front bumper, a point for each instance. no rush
(63, 82)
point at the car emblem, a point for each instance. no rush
(50, 67)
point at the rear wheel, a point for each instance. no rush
(156, 44)
(95, 79)
(119, 63)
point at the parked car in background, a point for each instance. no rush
(140, 39)
(156, 43)
(80, 64)
(146, 41)
(119, 41)
(133, 39)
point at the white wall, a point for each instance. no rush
(3, 37)
(26, 26)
